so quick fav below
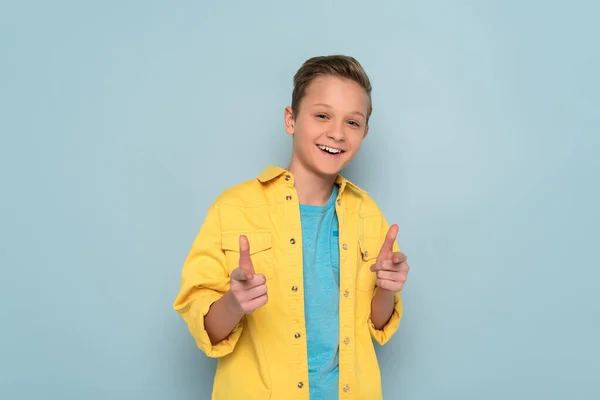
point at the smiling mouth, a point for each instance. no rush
(330, 150)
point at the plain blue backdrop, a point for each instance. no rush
(121, 121)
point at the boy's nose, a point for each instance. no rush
(336, 134)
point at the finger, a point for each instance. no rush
(258, 280)
(245, 260)
(404, 268)
(385, 265)
(398, 257)
(388, 244)
(395, 276)
(254, 293)
(239, 275)
(258, 302)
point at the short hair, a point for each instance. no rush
(333, 65)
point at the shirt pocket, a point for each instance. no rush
(365, 278)
(261, 250)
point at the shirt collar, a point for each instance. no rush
(271, 172)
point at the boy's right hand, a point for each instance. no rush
(248, 290)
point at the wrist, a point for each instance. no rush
(384, 293)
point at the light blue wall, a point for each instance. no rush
(122, 121)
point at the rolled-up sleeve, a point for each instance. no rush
(204, 280)
(383, 335)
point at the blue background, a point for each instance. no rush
(122, 121)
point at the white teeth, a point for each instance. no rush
(329, 149)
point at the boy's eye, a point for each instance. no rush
(354, 123)
(321, 116)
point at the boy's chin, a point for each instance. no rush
(328, 170)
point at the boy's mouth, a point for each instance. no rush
(330, 150)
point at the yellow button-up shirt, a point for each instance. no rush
(265, 356)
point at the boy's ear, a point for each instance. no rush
(288, 120)
(366, 132)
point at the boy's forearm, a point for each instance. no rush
(220, 320)
(382, 307)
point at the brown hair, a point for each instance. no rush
(335, 65)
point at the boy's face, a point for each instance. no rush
(330, 125)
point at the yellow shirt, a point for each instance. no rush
(265, 357)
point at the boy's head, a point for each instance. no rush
(340, 66)
(329, 114)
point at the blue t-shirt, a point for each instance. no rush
(321, 263)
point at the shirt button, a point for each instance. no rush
(346, 388)
(288, 197)
(367, 253)
(297, 336)
(294, 289)
(300, 385)
(339, 202)
(287, 177)
(292, 241)
(346, 341)
(345, 246)
(346, 293)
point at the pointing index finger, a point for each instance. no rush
(245, 261)
(388, 244)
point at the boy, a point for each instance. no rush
(294, 273)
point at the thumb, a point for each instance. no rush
(245, 261)
(388, 244)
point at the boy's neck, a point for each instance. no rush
(312, 189)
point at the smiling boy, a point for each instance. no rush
(293, 274)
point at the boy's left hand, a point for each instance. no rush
(391, 267)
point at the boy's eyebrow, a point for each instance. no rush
(328, 106)
(321, 105)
